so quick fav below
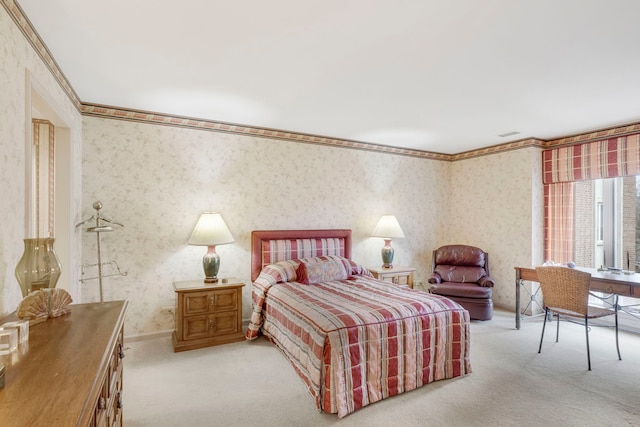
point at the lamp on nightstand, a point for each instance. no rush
(210, 231)
(388, 228)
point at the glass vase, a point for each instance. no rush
(39, 266)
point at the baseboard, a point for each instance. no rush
(166, 333)
(148, 336)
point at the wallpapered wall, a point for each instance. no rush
(497, 205)
(20, 65)
(156, 180)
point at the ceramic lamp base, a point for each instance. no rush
(387, 254)
(211, 265)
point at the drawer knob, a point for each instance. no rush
(212, 324)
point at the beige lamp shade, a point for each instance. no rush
(210, 230)
(388, 228)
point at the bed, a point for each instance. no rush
(352, 339)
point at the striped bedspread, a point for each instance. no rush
(358, 340)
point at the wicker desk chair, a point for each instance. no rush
(566, 292)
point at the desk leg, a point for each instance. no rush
(518, 285)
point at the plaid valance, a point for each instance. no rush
(608, 158)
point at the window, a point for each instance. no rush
(608, 209)
(592, 199)
(606, 223)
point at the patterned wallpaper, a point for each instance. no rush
(156, 180)
(20, 67)
(496, 204)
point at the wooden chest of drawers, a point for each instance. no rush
(207, 314)
(70, 371)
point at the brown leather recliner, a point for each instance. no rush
(461, 273)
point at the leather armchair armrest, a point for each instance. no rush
(434, 278)
(486, 282)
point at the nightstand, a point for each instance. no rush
(207, 313)
(397, 274)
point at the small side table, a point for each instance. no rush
(399, 275)
(207, 313)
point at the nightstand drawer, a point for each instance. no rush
(210, 302)
(205, 326)
(224, 300)
(195, 327)
(223, 323)
(400, 279)
(197, 303)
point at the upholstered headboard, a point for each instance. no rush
(271, 246)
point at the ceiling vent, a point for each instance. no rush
(504, 135)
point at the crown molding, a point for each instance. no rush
(596, 135)
(95, 110)
(499, 148)
(149, 117)
(22, 22)
(110, 112)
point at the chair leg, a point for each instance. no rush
(544, 323)
(616, 316)
(557, 326)
(586, 329)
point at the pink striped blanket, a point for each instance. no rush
(358, 340)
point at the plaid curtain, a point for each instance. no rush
(559, 222)
(562, 166)
(608, 158)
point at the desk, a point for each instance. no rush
(626, 285)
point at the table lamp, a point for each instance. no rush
(388, 228)
(210, 231)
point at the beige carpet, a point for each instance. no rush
(251, 384)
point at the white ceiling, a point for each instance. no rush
(438, 75)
